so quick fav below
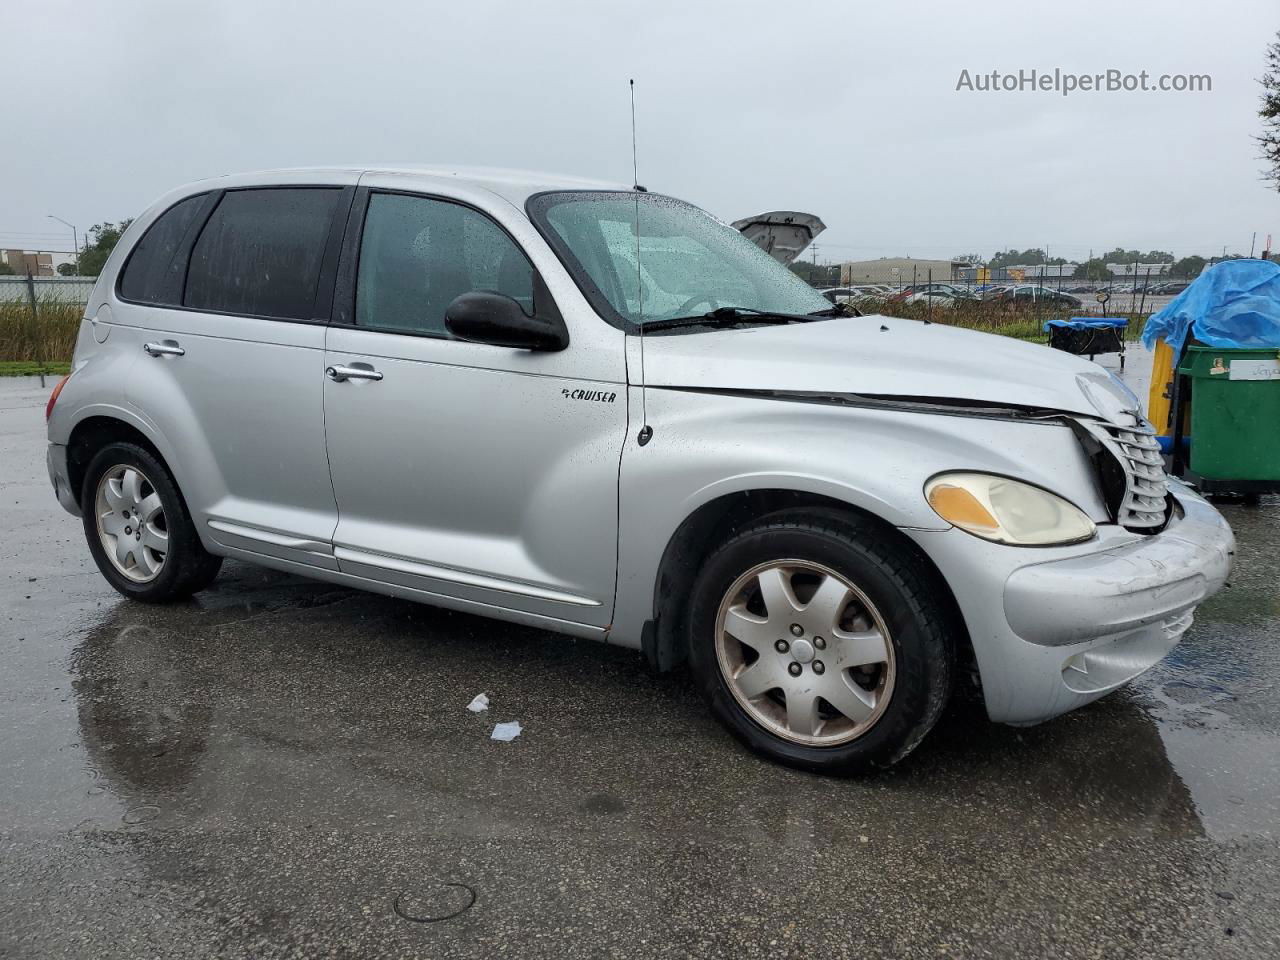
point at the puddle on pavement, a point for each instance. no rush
(1214, 698)
(1231, 771)
(162, 715)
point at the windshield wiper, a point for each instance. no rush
(728, 317)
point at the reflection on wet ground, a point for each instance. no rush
(271, 768)
(317, 684)
(1215, 698)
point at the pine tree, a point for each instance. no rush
(1270, 114)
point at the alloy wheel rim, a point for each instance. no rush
(805, 652)
(132, 526)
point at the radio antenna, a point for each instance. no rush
(646, 432)
(635, 167)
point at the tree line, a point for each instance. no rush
(1092, 269)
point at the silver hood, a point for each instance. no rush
(876, 356)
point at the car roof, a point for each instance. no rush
(514, 185)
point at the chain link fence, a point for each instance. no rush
(46, 289)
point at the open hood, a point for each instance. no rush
(888, 357)
(783, 234)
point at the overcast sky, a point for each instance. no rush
(846, 110)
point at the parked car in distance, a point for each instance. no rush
(938, 298)
(950, 289)
(1027, 294)
(870, 292)
(577, 406)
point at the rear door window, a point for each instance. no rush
(154, 271)
(260, 253)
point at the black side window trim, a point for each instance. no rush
(324, 298)
(322, 311)
(344, 298)
(344, 290)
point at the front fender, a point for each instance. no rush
(706, 446)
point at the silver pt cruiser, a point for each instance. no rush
(593, 409)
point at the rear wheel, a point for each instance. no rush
(818, 641)
(138, 527)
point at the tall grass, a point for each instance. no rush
(1021, 323)
(48, 337)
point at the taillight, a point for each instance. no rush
(53, 397)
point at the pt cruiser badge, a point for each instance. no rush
(600, 396)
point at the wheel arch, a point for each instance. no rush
(704, 529)
(94, 432)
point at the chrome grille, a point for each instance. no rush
(1146, 489)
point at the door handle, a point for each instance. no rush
(165, 348)
(340, 374)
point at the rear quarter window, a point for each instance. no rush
(261, 251)
(153, 272)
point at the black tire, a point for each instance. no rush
(902, 587)
(187, 566)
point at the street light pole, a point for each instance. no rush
(75, 239)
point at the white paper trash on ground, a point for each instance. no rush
(506, 732)
(481, 702)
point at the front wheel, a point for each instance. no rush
(138, 527)
(818, 641)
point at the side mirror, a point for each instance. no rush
(493, 318)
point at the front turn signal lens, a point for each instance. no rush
(1006, 511)
(958, 506)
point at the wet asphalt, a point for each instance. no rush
(282, 768)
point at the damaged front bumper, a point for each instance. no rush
(1056, 628)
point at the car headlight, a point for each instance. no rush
(1006, 511)
(1109, 395)
(1125, 389)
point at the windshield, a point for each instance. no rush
(689, 262)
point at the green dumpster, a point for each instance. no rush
(1235, 412)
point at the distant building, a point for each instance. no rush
(1139, 269)
(899, 271)
(35, 264)
(1031, 272)
(1018, 272)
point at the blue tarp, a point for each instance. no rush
(1088, 323)
(1235, 303)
